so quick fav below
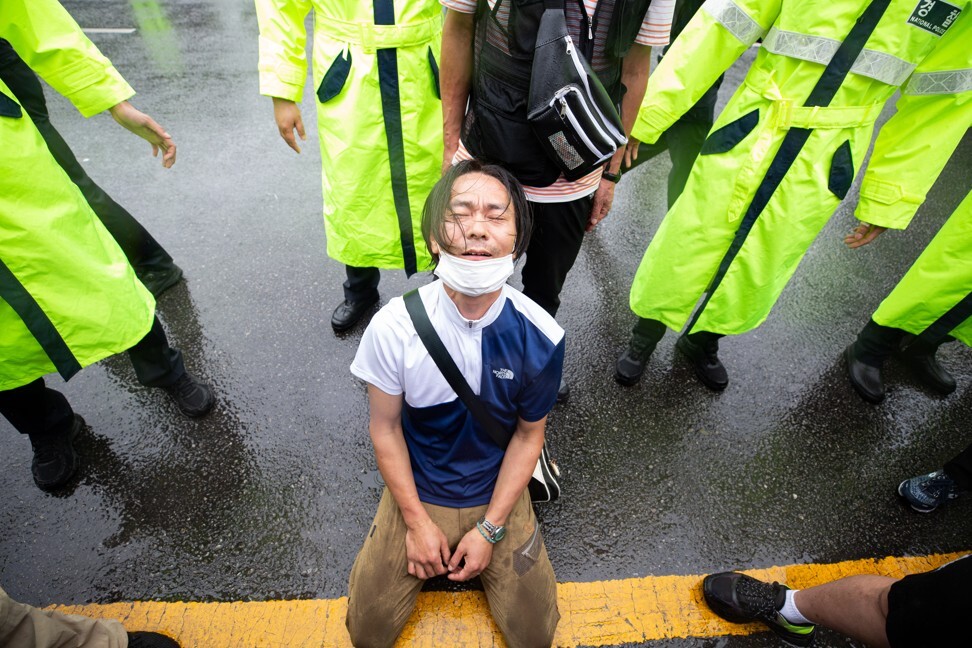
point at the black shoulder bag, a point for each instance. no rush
(570, 111)
(543, 485)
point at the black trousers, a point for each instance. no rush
(558, 231)
(959, 468)
(143, 251)
(361, 284)
(38, 411)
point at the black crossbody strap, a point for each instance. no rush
(445, 363)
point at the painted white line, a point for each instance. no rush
(108, 30)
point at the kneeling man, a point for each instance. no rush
(455, 502)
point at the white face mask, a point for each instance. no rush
(474, 278)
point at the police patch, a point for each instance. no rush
(934, 16)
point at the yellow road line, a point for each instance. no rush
(602, 613)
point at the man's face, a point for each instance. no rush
(479, 220)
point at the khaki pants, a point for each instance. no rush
(520, 585)
(23, 626)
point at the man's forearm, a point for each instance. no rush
(634, 76)
(391, 453)
(455, 75)
(516, 470)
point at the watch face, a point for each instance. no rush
(500, 534)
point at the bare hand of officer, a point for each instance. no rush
(426, 549)
(477, 552)
(287, 115)
(863, 234)
(145, 127)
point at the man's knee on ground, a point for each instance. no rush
(524, 631)
(373, 625)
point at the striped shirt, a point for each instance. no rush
(655, 30)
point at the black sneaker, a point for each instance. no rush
(705, 361)
(349, 313)
(631, 365)
(158, 281)
(150, 640)
(740, 599)
(55, 460)
(925, 493)
(194, 398)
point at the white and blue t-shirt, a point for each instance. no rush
(512, 359)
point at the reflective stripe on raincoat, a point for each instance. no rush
(379, 117)
(783, 153)
(68, 296)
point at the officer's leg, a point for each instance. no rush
(360, 294)
(919, 355)
(46, 417)
(520, 584)
(159, 365)
(558, 231)
(959, 468)
(866, 356)
(361, 284)
(156, 363)
(381, 593)
(142, 250)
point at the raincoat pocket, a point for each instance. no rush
(335, 78)
(725, 138)
(9, 107)
(435, 74)
(841, 171)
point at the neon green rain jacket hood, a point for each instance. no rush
(379, 117)
(68, 296)
(784, 152)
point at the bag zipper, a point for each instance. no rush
(614, 134)
(565, 111)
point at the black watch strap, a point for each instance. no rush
(612, 177)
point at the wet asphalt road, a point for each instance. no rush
(270, 496)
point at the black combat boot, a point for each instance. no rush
(866, 356)
(919, 357)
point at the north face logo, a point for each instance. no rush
(503, 374)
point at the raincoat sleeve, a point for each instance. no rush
(716, 36)
(283, 42)
(934, 113)
(46, 37)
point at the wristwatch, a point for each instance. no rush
(612, 177)
(490, 531)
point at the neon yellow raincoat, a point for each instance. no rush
(379, 116)
(784, 152)
(934, 298)
(68, 296)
